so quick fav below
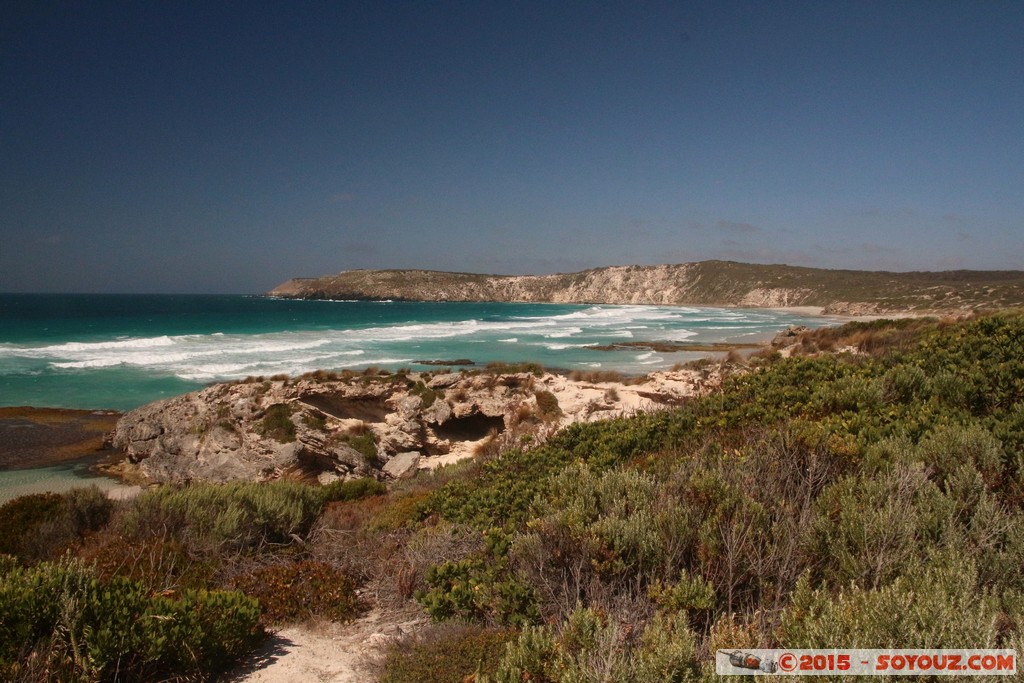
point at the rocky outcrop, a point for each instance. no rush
(710, 283)
(326, 427)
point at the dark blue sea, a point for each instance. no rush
(121, 351)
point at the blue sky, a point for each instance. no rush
(227, 146)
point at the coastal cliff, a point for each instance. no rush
(326, 426)
(708, 283)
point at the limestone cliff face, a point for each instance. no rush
(325, 427)
(318, 426)
(709, 283)
(651, 285)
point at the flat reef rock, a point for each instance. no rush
(326, 427)
(40, 437)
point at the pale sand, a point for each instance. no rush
(325, 652)
(58, 479)
(818, 311)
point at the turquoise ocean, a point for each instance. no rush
(121, 351)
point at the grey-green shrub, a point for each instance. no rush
(872, 529)
(938, 603)
(591, 529)
(233, 516)
(591, 647)
(58, 618)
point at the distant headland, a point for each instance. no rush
(704, 283)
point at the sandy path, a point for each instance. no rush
(326, 652)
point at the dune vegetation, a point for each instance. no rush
(866, 490)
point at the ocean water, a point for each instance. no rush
(56, 479)
(121, 351)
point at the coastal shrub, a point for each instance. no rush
(590, 646)
(20, 517)
(44, 525)
(233, 516)
(160, 562)
(501, 491)
(366, 445)
(547, 406)
(321, 376)
(936, 604)
(852, 393)
(290, 592)
(873, 528)
(948, 449)
(480, 588)
(584, 644)
(597, 376)
(426, 394)
(277, 423)
(500, 368)
(350, 490)
(445, 653)
(905, 383)
(173, 538)
(59, 621)
(594, 534)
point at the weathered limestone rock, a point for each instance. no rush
(326, 428)
(402, 464)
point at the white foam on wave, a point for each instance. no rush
(80, 364)
(119, 345)
(679, 335)
(562, 334)
(220, 356)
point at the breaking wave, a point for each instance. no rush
(499, 333)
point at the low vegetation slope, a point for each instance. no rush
(705, 283)
(865, 492)
(870, 498)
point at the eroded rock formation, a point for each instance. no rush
(325, 427)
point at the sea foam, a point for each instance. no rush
(343, 335)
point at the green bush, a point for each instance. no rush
(277, 423)
(935, 604)
(366, 444)
(594, 528)
(426, 394)
(873, 529)
(233, 516)
(547, 406)
(449, 653)
(354, 489)
(480, 588)
(588, 646)
(60, 620)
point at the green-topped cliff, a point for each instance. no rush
(710, 283)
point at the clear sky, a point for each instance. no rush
(227, 146)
